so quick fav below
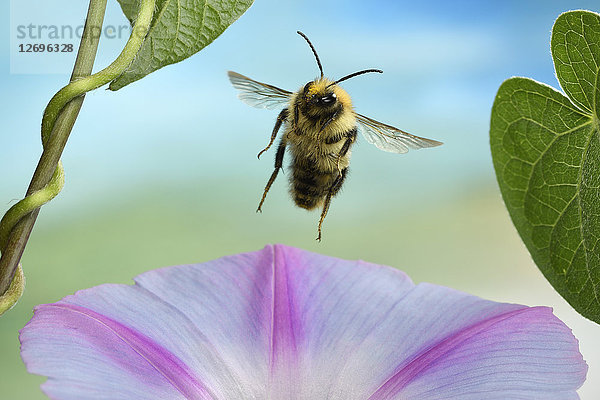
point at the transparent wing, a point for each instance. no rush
(258, 94)
(391, 139)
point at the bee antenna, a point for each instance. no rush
(313, 50)
(364, 71)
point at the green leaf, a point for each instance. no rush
(546, 153)
(576, 51)
(180, 28)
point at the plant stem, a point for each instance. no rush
(86, 55)
(56, 126)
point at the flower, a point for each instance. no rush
(283, 324)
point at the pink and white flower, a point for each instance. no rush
(286, 324)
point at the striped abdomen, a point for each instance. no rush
(309, 185)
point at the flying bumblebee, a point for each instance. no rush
(320, 128)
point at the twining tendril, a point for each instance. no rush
(51, 113)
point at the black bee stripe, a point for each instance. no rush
(309, 197)
(349, 134)
(306, 202)
(318, 115)
(309, 186)
(305, 179)
(309, 166)
(309, 191)
(312, 118)
(336, 138)
(309, 183)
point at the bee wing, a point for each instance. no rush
(388, 138)
(258, 94)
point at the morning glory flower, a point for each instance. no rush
(287, 324)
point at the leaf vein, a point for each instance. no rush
(580, 209)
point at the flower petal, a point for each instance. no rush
(287, 324)
(526, 353)
(366, 331)
(88, 355)
(213, 319)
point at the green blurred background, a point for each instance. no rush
(164, 172)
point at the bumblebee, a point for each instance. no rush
(320, 127)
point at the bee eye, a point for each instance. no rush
(328, 99)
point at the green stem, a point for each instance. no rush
(14, 227)
(58, 120)
(108, 74)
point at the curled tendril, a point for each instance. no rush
(74, 89)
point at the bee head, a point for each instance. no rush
(319, 93)
(323, 96)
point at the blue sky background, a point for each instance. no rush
(443, 62)
(181, 132)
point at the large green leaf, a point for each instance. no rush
(180, 28)
(546, 152)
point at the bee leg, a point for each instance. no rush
(278, 165)
(350, 138)
(335, 187)
(280, 118)
(325, 125)
(296, 117)
(329, 121)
